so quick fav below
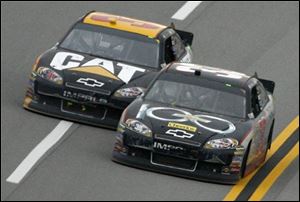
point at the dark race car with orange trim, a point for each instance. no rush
(199, 122)
(101, 65)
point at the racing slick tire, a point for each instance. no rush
(244, 163)
(270, 135)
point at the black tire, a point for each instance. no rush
(270, 135)
(265, 154)
(244, 163)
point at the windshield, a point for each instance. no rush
(198, 98)
(113, 44)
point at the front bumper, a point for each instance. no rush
(198, 174)
(146, 157)
(55, 100)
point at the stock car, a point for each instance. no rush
(101, 65)
(198, 122)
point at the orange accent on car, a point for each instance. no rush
(34, 66)
(145, 28)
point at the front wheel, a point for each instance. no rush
(244, 163)
(270, 135)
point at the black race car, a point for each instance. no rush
(199, 122)
(101, 65)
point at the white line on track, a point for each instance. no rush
(186, 9)
(33, 157)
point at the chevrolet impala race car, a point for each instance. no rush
(198, 122)
(101, 65)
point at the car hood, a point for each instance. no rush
(186, 125)
(95, 72)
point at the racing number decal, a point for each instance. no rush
(66, 60)
(217, 71)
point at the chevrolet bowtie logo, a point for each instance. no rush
(90, 82)
(179, 133)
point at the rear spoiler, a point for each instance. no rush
(187, 37)
(269, 85)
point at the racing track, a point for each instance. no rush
(243, 36)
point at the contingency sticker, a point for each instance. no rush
(182, 126)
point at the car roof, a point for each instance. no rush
(145, 28)
(228, 77)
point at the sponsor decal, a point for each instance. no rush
(132, 22)
(225, 170)
(83, 97)
(262, 126)
(235, 170)
(179, 133)
(90, 82)
(180, 115)
(66, 60)
(123, 23)
(182, 126)
(166, 147)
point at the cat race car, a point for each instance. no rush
(198, 122)
(101, 65)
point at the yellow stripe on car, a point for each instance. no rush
(276, 144)
(145, 28)
(27, 101)
(34, 66)
(96, 70)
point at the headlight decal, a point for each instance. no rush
(138, 127)
(131, 92)
(223, 143)
(50, 75)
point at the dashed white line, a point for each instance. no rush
(32, 158)
(186, 9)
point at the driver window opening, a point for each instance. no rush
(255, 107)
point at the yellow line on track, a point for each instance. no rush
(267, 183)
(276, 144)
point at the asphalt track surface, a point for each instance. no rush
(243, 36)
